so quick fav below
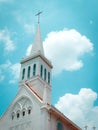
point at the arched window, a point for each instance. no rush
(29, 110)
(59, 126)
(41, 71)
(18, 114)
(29, 71)
(45, 72)
(13, 115)
(34, 69)
(49, 77)
(23, 113)
(23, 73)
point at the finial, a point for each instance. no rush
(86, 127)
(94, 127)
(38, 14)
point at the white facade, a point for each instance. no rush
(31, 108)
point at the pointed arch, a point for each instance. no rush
(21, 102)
(22, 107)
(24, 112)
(18, 114)
(29, 110)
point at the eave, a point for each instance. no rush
(63, 118)
(35, 56)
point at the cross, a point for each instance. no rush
(94, 127)
(86, 127)
(38, 14)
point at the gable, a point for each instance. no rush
(21, 111)
(21, 107)
(24, 97)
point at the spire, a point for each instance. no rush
(37, 45)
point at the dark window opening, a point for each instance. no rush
(29, 72)
(13, 115)
(23, 73)
(45, 72)
(18, 115)
(41, 71)
(59, 126)
(29, 111)
(34, 69)
(23, 113)
(49, 77)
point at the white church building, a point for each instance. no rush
(31, 109)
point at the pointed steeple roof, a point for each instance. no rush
(37, 46)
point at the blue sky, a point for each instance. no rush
(69, 31)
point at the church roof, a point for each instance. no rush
(54, 111)
(38, 54)
(37, 44)
(34, 92)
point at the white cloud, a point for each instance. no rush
(28, 50)
(80, 108)
(1, 76)
(15, 71)
(65, 49)
(3, 69)
(5, 39)
(29, 28)
(10, 69)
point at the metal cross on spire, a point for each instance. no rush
(86, 127)
(94, 127)
(38, 14)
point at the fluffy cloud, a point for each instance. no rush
(12, 69)
(5, 39)
(65, 49)
(80, 108)
(28, 50)
(15, 71)
(1, 76)
(3, 68)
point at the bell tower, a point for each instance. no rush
(36, 69)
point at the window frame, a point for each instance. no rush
(28, 74)
(18, 114)
(49, 77)
(23, 73)
(23, 112)
(34, 69)
(60, 125)
(41, 70)
(29, 110)
(45, 74)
